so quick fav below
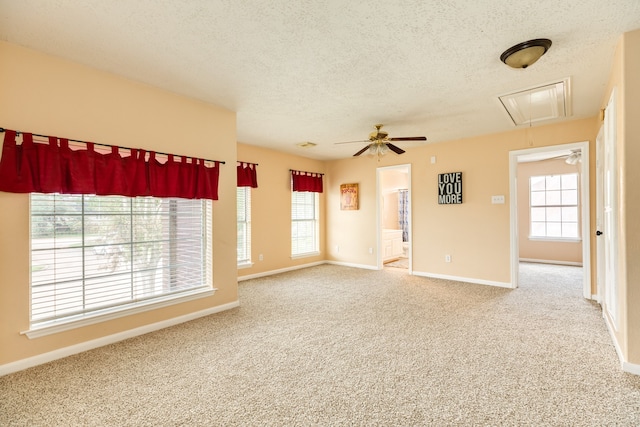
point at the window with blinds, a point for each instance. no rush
(244, 225)
(304, 223)
(554, 206)
(96, 254)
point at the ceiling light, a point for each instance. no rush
(524, 54)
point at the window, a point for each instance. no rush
(554, 206)
(244, 226)
(304, 223)
(94, 255)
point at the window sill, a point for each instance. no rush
(556, 239)
(79, 321)
(245, 265)
(305, 255)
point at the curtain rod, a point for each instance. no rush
(109, 146)
(315, 173)
(249, 163)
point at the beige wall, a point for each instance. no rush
(544, 250)
(476, 233)
(271, 209)
(623, 78)
(51, 96)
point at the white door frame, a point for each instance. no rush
(379, 172)
(584, 196)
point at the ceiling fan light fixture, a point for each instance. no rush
(526, 53)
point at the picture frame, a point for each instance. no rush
(349, 197)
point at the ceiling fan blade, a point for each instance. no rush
(395, 149)
(362, 151)
(351, 142)
(410, 138)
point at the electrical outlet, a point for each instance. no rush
(370, 250)
(260, 257)
(447, 258)
(337, 248)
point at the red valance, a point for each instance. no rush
(306, 181)
(55, 167)
(247, 175)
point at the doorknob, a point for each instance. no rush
(599, 233)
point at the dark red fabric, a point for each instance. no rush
(306, 181)
(207, 178)
(111, 177)
(56, 168)
(15, 169)
(247, 175)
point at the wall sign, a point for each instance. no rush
(349, 197)
(450, 188)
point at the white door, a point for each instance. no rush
(600, 262)
(610, 212)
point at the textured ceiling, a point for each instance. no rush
(327, 71)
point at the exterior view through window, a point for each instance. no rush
(554, 206)
(304, 223)
(95, 253)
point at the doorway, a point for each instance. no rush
(579, 151)
(393, 185)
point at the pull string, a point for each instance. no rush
(2, 130)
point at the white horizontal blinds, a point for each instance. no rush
(90, 253)
(304, 222)
(554, 206)
(244, 224)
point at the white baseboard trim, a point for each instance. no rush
(40, 359)
(628, 367)
(550, 261)
(350, 264)
(280, 270)
(464, 279)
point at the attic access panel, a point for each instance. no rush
(542, 103)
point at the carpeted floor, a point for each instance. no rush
(334, 345)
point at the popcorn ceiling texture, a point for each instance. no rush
(328, 71)
(332, 345)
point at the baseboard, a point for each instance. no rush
(464, 279)
(40, 359)
(628, 367)
(350, 264)
(278, 271)
(550, 261)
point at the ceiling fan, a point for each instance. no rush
(380, 143)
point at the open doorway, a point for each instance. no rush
(394, 217)
(551, 229)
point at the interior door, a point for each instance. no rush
(610, 212)
(600, 262)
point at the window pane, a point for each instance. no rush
(569, 229)
(554, 229)
(569, 197)
(538, 229)
(538, 198)
(553, 182)
(570, 181)
(537, 183)
(553, 198)
(570, 214)
(554, 214)
(538, 214)
(304, 224)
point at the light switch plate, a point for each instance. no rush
(497, 200)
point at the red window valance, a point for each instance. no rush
(55, 167)
(306, 181)
(247, 175)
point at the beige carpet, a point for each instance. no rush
(334, 345)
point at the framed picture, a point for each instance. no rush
(349, 197)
